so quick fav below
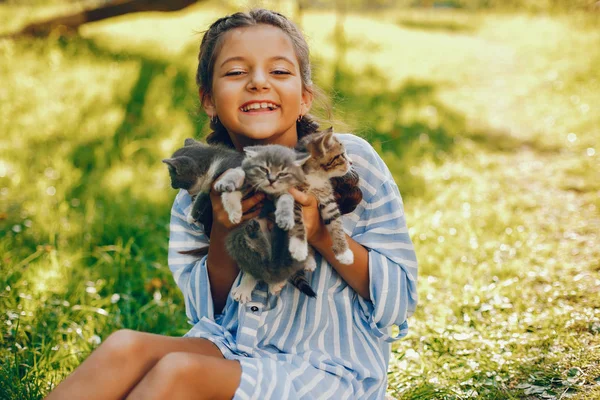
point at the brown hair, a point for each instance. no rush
(209, 49)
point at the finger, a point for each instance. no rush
(303, 198)
(251, 215)
(252, 201)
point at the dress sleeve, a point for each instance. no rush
(392, 262)
(189, 271)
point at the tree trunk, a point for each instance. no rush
(70, 23)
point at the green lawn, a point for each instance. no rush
(489, 122)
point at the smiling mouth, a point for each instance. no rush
(259, 107)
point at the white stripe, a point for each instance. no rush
(272, 387)
(356, 159)
(176, 244)
(319, 309)
(388, 246)
(242, 395)
(247, 331)
(405, 262)
(181, 259)
(382, 300)
(250, 379)
(314, 383)
(385, 231)
(178, 215)
(286, 388)
(180, 228)
(387, 217)
(396, 303)
(337, 334)
(291, 319)
(383, 200)
(259, 377)
(329, 394)
(367, 186)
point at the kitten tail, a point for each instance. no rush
(299, 281)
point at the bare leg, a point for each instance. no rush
(189, 376)
(113, 369)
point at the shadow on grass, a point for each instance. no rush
(437, 25)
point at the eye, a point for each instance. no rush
(283, 174)
(333, 160)
(234, 73)
(280, 72)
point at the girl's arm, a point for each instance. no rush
(384, 271)
(205, 282)
(222, 269)
(355, 274)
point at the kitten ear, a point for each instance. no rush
(301, 159)
(171, 163)
(250, 151)
(189, 142)
(177, 164)
(328, 136)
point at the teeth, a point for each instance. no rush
(256, 106)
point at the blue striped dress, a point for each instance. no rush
(336, 345)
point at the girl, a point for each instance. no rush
(275, 347)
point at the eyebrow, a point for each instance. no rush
(239, 58)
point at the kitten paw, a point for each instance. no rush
(275, 288)
(298, 249)
(235, 217)
(347, 257)
(242, 294)
(310, 264)
(284, 220)
(190, 219)
(224, 186)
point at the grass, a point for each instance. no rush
(489, 123)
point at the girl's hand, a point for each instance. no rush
(251, 207)
(315, 229)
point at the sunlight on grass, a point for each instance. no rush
(488, 122)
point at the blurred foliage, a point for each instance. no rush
(487, 120)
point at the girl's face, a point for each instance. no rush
(257, 90)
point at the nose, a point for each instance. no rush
(258, 81)
(271, 178)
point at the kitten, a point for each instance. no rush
(260, 252)
(194, 168)
(328, 160)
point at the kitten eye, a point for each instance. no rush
(282, 174)
(333, 160)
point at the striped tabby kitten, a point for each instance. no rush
(259, 251)
(328, 160)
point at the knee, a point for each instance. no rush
(123, 344)
(175, 369)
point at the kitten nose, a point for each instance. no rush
(271, 179)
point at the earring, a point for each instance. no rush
(214, 119)
(300, 117)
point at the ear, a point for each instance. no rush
(328, 136)
(307, 99)
(250, 151)
(207, 103)
(172, 163)
(301, 159)
(189, 142)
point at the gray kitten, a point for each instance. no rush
(194, 168)
(259, 251)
